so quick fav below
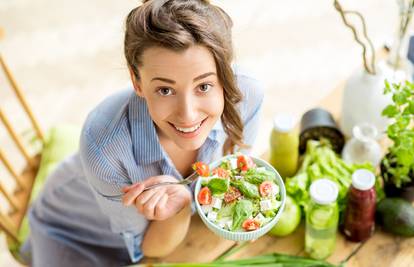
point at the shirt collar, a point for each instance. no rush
(146, 146)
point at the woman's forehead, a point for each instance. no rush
(194, 60)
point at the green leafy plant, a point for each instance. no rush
(398, 164)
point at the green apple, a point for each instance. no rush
(289, 220)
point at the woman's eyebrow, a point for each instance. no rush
(202, 76)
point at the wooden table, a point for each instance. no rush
(382, 249)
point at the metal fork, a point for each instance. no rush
(185, 181)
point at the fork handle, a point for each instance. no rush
(160, 184)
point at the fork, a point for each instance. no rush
(188, 180)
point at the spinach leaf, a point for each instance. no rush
(247, 189)
(242, 210)
(226, 211)
(218, 185)
(258, 176)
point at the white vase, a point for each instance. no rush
(363, 99)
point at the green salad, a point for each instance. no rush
(238, 195)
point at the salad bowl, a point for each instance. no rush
(229, 208)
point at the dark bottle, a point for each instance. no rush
(359, 221)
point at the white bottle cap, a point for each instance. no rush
(363, 179)
(323, 191)
(284, 122)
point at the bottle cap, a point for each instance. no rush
(323, 191)
(363, 179)
(284, 122)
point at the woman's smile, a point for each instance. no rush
(188, 131)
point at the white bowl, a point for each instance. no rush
(250, 235)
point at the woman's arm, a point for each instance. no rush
(168, 208)
(162, 237)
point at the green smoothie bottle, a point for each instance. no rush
(321, 219)
(284, 143)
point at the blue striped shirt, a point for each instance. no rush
(119, 146)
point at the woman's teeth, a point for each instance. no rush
(188, 130)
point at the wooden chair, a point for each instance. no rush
(11, 221)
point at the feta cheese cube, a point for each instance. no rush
(206, 208)
(260, 218)
(233, 163)
(275, 190)
(224, 222)
(229, 224)
(216, 202)
(265, 205)
(212, 216)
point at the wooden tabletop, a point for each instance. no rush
(382, 249)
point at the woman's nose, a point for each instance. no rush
(187, 109)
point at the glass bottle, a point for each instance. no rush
(359, 222)
(321, 219)
(363, 146)
(284, 145)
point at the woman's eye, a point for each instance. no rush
(205, 87)
(165, 91)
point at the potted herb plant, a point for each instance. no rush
(363, 99)
(397, 166)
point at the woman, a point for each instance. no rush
(187, 104)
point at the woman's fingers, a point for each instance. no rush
(130, 196)
(149, 206)
(160, 207)
(125, 189)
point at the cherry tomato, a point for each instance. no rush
(266, 188)
(244, 162)
(232, 194)
(204, 196)
(251, 224)
(220, 172)
(201, 168)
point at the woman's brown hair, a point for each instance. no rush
(177, 25)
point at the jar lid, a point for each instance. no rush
(284, 122)
(323, 191)
(363, 179)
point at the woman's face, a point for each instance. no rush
(183, 93)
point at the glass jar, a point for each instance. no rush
(359, 222)
(321, 219)
(363, 146)
(284, 145)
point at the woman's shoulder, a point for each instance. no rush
(108, 117)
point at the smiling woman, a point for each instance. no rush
(184, 103)
(187, 104)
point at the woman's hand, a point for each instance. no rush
(159, 203)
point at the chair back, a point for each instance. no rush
(22, 178)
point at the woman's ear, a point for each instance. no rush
(136, 83)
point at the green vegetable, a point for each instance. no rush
(320, 161)
(258, 176)
(398, 165)
(274, 260)
(218, 185)
(247, 189)
(242, 210)
(226, 211)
